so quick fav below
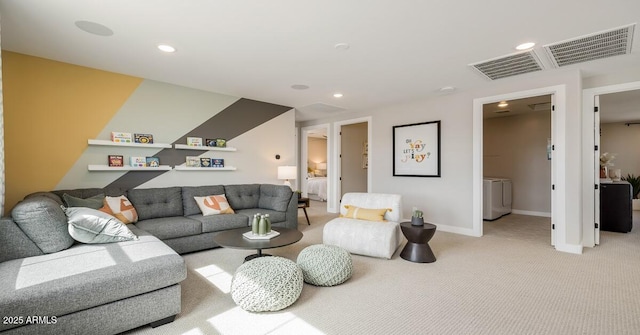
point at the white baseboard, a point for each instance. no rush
(455, 230)
(532, 213)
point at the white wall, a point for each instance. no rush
(622, 140)
(448, 201)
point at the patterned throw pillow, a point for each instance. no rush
(214, 204)
(121, 208)
(369, 214)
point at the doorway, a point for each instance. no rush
(558, 169)
(517, 168)
(315, 162)
(608, 133)
(352, 156)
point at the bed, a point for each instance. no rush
(317, 188)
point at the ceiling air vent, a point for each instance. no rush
(507, 66)
(590, 47)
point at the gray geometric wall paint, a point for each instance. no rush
(236, 119)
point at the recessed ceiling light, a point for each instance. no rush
(525, 46)
(342, 46)
(337, 95)
(94, 28)
(503, 104)
(446, 90)
(166, 48)
(299, 87)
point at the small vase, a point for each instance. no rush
(255, 224)
(262, 226)
(415, 221)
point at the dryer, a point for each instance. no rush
(496, 193)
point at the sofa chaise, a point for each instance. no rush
(55, 285)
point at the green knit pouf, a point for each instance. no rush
(325, 265)
(266, 284)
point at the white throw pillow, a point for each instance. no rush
(214, 204)
(89, 225)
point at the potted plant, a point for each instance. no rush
(635, 184)
(416, 218)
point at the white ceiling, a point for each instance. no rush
(399, 50)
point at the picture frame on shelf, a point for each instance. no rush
(143, 138)
(211, 142)
(205, 162)
(192, 161)
(116, 161)
(153, 162)
(194, 141)
(138, 161)
(416, 149)
(120, 137)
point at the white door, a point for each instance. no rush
(596, 169)
(554, 160)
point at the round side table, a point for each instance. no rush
(417, 248)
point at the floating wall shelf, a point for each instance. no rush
(202, 147)
(128, 168)
(137, 145)
(193, 168)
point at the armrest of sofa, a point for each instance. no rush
(14, 243)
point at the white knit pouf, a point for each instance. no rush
(325, 265)
(266, 284)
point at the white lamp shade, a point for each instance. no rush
(287, 172)
(321, 166)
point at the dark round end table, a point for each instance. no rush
(418, 237)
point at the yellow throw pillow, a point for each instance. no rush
(214, 204)
(369, 214)
(121, 208)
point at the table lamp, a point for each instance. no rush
(287, 172)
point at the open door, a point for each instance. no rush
(596, 169)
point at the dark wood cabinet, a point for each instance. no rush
(616, 206)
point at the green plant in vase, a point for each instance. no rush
(416, 218)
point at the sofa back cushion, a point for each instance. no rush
(14, 243)
(242, 196)
(44, 222)
(156, 202)
(275, 197)
(190, 207)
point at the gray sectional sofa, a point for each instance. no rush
(55, 285)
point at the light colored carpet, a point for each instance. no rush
(511, 281)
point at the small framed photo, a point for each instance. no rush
(153, 162)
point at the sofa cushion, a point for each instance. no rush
(213, 223)
(275, 216)
(121, 208)
(275, 197)
(214, 204)
(242, 196)
(85, 276)
(156, 202)
(94, 202)
(44, 222)
(190, 207)
(89, 225)
(171, 227)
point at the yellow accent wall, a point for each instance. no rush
(50, 110)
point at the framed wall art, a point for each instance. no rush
(416, 149)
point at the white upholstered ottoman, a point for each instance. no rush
(364, 236)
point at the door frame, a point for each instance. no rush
(334, 181)
(591, 235)
(558, 167)
(304, 157)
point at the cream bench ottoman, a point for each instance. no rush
(364, 235)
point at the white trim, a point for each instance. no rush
(531, 213)
(455, 230)
(588, 158)
(334, 181)
(558, 125)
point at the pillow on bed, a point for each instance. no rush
(369, 214)
(310, 175)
